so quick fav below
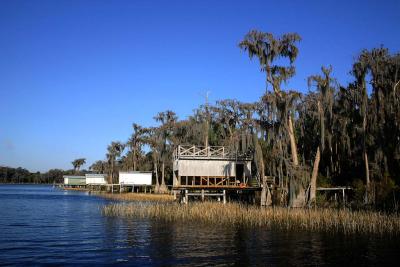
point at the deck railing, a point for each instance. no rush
(212, 152)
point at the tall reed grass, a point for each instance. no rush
(327, 220)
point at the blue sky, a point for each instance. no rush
(75, 75)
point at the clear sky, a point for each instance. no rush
(75, 75)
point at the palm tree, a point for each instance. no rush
(135, 144)
(78, 163)
(115, 150)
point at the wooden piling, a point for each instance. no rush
(224, 196)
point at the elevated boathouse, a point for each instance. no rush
(211, 171)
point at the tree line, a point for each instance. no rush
(21, 176)
(329, 134)
(332, 134)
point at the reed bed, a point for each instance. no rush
(138, 197)
(326, 220)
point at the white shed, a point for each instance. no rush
(74, 180)
(94, 178)
(135, 178)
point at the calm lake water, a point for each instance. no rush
(40, 225)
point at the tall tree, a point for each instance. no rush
(167, 120)
(324, 116)
(268, 49)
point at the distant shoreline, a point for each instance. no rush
(26, 183)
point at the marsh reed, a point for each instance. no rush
(327, 220)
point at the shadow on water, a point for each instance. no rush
(40, 225)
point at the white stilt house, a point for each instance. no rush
(210, 167)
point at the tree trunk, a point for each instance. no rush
(313, 182)
(265, 193)
(134, 160)
(112, 171)
(367, 181)
(162, 174)
(297, 198)
(293, 145)
(206, 134)
(157, 186)
(163, 187)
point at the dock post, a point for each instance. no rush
(186, 196)
(112, 188)
(202, 195)
(344, 197)
(224, 196)
(174, 194)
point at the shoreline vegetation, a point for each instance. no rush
(138, 197)
(213, 213)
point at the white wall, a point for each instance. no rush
(209, 168)
(135, 178)
(95, 179)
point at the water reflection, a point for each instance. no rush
(151, 242)
(40, 225)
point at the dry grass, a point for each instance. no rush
(138, 197)
(328, 220)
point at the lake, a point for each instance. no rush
(41, 225)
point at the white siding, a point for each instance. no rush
(95, 179)
(74, 180)
(135, 178)
(209, 168)
(206, 168)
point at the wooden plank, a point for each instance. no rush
(222, 181)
